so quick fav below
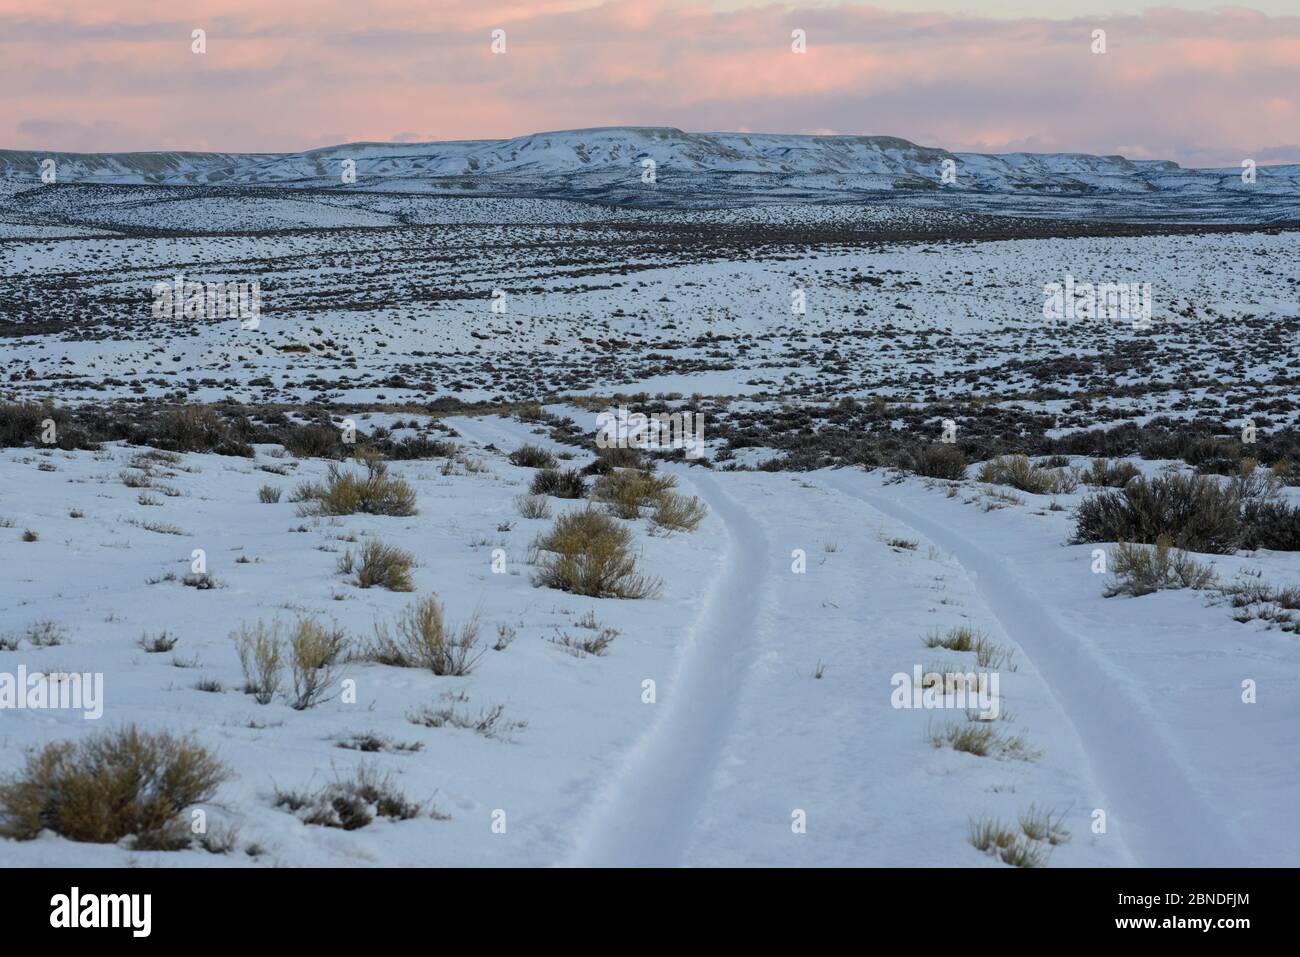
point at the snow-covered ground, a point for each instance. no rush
(751, 712)
(781, 625)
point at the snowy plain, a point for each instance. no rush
(1134, 704)
(773, 735)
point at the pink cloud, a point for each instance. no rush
(1200, 88)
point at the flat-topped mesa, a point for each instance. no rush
(601, 161)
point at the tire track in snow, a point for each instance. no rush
(645, 817)
(1163, 821)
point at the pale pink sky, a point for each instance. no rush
(1202, 88)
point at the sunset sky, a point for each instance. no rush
(1201, 84)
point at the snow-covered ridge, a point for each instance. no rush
(607, 162)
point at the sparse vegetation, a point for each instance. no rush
(268, 495)
(1193, 512)
(109, 786)
(1021, 474)
(379, 565)
(677, 513)
(159, 643)
(505, 635)
(960, 638)
(346, 493)
(596, 643)
(422, 639)
(1039, 825)
(566, 484)
(1028, 847)
(588, 553)
(533, 506)
(939, 460)
(1103, 473)
(372, 742)
(349, 804)
(261, 651)
(45, 634)
(1141, 570)
(626, 491)
(982, 739)
(489, 722)
(1004, 843)
(314, 651)
(533, 457)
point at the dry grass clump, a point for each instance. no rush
(193, 428)
(489, 722)
(961, 638)
(1258, 600)
(268, 495)
(1104, 473)
(588, 553)
(261, 652)
(553, 482)
(983, 739)
(595, 643)
(1141, 570)
(346, 493)
(677, 513)
(314, 650)
(135, 479)
(45, 633)
(1030, 847)
(423, 639)
(111, 785)
(533, 457)
(379, 565)
(372, 742)
(1019, 473)
(1039, 825)
(940, 461)
(349, 804)
(1004, 843)
(625, 492)
(533, 506)
(161, 642)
